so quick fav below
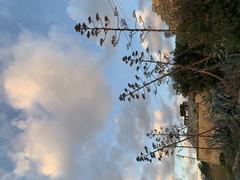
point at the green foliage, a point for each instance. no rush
(205, 170)
(225, 114)
(188, 81)
(206, 28)
(215, 23)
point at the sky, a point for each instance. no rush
(60, 117)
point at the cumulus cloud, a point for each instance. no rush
(76, 11)
(116, 160)
(57, 85)
(143, 3)
(156, 41)
(135, 121)
(66, 100)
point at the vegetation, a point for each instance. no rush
(225, 110)
(215, 35)
(206, 58)
(166, 141)
(154, 69)
(214, 23)
(205, 170)
(213, 28)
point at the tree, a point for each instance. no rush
(202, 47)
(102, 25)
(154, 69)
(166, 141)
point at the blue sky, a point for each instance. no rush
(60, 117)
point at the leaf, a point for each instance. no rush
(151, 58)
(137, 78)
(143, 96)
(92, 32)
(140, 19)
(132, 95)
(152, 154)
(114, 42)
(136, 85)
(120, 98)
(141, 36)
(147, 50)
(160, 158)
(137, 96)
(123, 23)
(88, 34)
(148, 89)
(84, 26)
(96, 32)
(97, 17)
(146, 149)
(134, 13)
(155, 92)
(106, 19)
(115, 11)
(131, 63)
(82, 32)
(78, 27)
(89, 19)
(124, 58)
(138, 159)
(128, 45)
(101, 41)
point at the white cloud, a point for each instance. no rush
(133, 123)
(65, 97)
(46, 150)
(78, 9)
(55, 81)
(155, 41)
(158, 120)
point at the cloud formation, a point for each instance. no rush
(76, 11)
(155, 41)
(64, 102)
(63, 95)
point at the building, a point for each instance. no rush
(167, 10)
(204, 124)
(198, 121)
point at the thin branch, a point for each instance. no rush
(147, 84)
(206, 72)
(175, 143)
(188, 135)
(182, 68)
(80, 28)
(196, 147)
(182, 156)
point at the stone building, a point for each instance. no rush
(167, 10)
